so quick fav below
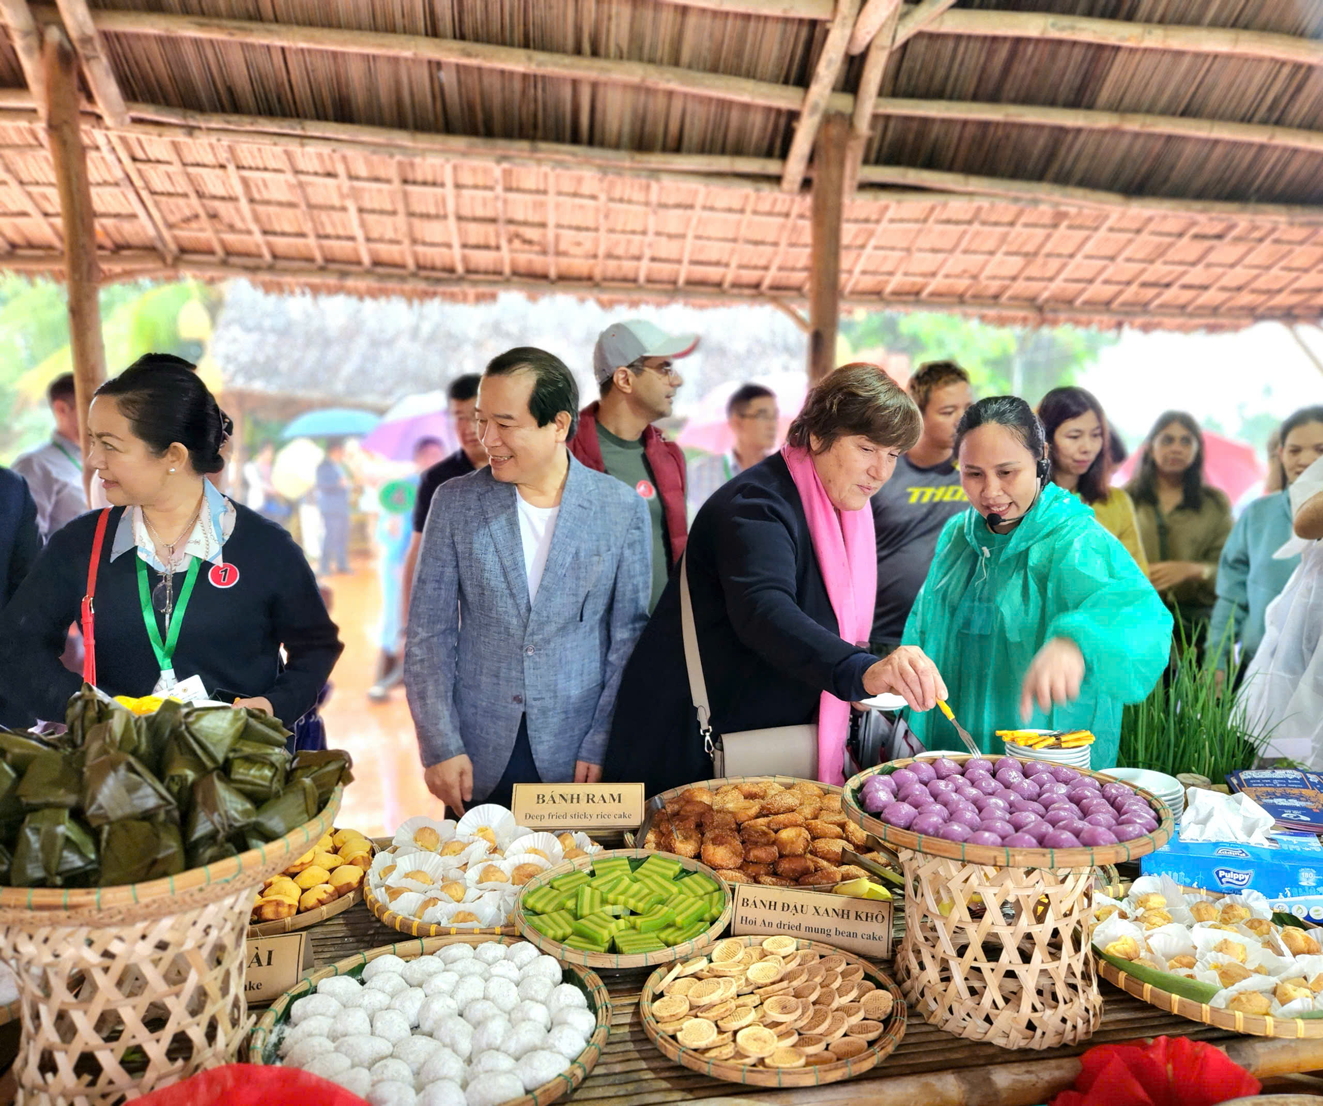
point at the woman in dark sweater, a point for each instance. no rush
(768, 624)
(189, 583)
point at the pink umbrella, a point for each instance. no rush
(410, 421)
(707, 428)
(1229, 465)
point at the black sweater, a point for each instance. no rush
(230, 637)
(766, 631)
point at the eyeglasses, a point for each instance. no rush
(666, 368)
(760, 416)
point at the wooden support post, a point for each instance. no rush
(818, 97)
(82, 274)
(825, 264)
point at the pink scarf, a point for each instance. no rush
(847, 557)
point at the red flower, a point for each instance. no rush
(1171, 1071)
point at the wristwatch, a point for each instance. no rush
(1206, 573)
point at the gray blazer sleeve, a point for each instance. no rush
(629, 614)
(432, 646)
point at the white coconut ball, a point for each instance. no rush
(392, 1093)
(443, 1066)
(542, 1066)
(535, 989)
(544, 967)
(311, 1006)
(522, 954)
(352, 1023)
(491, 952)
(409, 1003)
(504, 970)
(389, 964)
(491, 1033)
(435, 1010)
(416, 972)
(388, 984)
(566, 995)
(391, 1025)
(339, 987)
(363, 1052)
(503, 994)
(467, 989)
(581, 1020)
(440, 984)
(478, 968)
(525, 1037)
(319, 1025)
(306, 1049)
(491, 1088)
(566, 1040)
(416, 1051)
(457, 1035)
(356, 1081)
(392, 1070)
(452, 954)
(328, 1065)
(444, 1092)
(369, 1000)
(481, 1010)
(533, 1013)
(491, 1060)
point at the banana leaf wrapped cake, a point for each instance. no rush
(124, 796)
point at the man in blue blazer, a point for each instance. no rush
(532, 586)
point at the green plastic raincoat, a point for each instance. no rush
(991, 601)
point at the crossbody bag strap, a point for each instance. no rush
(87, 613)
(693, 661)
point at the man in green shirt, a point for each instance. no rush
(633, 363)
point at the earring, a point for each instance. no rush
(172, 470)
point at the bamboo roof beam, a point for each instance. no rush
(998, 252)
(1242, 265)
(792, 215)
(26, 40)
(351, 206)
(733, 267)
(300, 193)
(551, 226)
(1200, 265)
(452, 218)
(177, 162)
(651, 225)
(865, 100)
(1080, 253)
(917, 18)
(241, 191)
(1224, 41)
(875, 15)
(700, 201)
(825, 75)
(861, 258)
(1027, 261)
(91, 51)
(603, 211)
(134, 188)
(503, 237)
(772, 9)
(406, 222)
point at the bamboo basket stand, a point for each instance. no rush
(127, 989)
(996, 945)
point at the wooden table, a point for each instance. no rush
(928, 1068)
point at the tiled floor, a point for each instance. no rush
(388, 781)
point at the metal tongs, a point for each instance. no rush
(959, 729)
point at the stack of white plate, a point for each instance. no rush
(1077, 757)
(1167, 788)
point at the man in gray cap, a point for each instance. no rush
(633, 363)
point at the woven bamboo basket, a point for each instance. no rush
(126, 989)
(305, 918)
(260, 1047)
(416, 927)
(610, 960)
(996, 944)
(733, 1072)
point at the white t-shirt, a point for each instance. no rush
(536, 526)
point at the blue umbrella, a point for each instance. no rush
(332, 422)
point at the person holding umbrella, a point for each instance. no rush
(333, 494)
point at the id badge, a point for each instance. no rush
(190, 690)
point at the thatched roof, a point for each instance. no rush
(1158, 162)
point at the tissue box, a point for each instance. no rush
(1290, 873)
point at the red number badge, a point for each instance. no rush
(645, 489)
(223, 576)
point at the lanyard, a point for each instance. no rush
(72, 459)
(165, 653)
(726, 466)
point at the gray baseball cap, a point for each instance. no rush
(624, 343)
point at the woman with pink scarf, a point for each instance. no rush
(782, 570)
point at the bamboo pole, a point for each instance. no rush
(779, 9)
(817, 97)
(865, 100)
(87, 42)
(825, 263)
(82, 274)
(874, 16)
(917, 18)
(26, 40)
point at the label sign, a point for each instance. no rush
(857, 925)
(578, 805)
(272, 965)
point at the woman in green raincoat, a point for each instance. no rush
(1033, 613)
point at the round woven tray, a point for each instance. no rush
(609, 959)
(415, 927)
(733, 1072)
(999, 857)
(102, 907)
(659, 801)
(260, 1046)
(306, 918)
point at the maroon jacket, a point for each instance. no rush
(664, 458)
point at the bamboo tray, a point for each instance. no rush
(999, 857)
(659, 801)
(808, 1076)
(415, 927)
(316, 916)
(260, 1046)
(609, 959)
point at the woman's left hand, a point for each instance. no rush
(1054, 677)
(1165, 575)
(264, 705)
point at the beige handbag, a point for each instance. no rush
(776, 751)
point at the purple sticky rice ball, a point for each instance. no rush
(940, 787)
(1089, 782)
(1022, 818)
(986, 784)
(1028, 788)
(1073, 826)
(1060, 839)
(1095, 806)
(997, 803)
(915, 796)
(1009, 777)
(968, 791)
(1002, 763)
(945, 768)
(1094, 836)
(932, 808)
(980, 800)
(1127, 831)
(1115, 792)
(1034, 768)
(1077, 794)
(984, 837)
(999, 826)
(899, 815)
(1063, 773)
(882, 783)
(1020, 841)
(948, 800)
(1047, 790)
(1021, 806)
(1148, 825)
(923, 771)
(954, 831)
(1056, 817)
(1038, 830)
(976, 765)
(903, 777)
(928, 823)
(1106, 821)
